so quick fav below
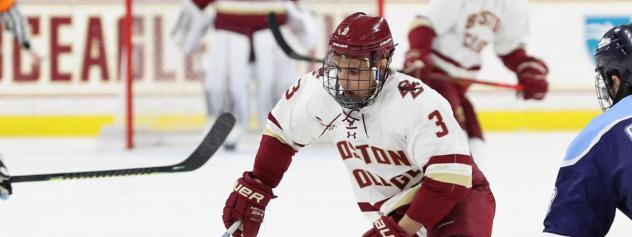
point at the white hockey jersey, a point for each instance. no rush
(384, 146)
(465, 27)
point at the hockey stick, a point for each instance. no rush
(278, 37)
(469, 81)
(211, 143)
(232, 229)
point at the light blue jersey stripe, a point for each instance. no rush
(628, 130)
(595, 129)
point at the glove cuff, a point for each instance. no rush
(249, 188)
(533, 66)
(272, 160)
(421, 37)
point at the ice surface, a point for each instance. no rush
(315, 197)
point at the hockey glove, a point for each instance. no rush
(385, 227)
(532, 77)
(304, 24)
(5, 184)
(247, 203)
(417, 64)
(192, 25)
(15, 23)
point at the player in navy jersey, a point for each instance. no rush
(596, 175)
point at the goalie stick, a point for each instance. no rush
(278, 37)
(211, 143)
(285, 47)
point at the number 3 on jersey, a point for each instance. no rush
(439, 122)
(290, 92)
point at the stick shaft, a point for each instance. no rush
(232, 229)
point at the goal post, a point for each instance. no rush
(129, 79)
(160, 99)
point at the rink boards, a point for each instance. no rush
(77, 90)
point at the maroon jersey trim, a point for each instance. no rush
(274, 121)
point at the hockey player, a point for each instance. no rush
(5, 184)
(14, 22)
(446, 43)
(594, 179)
(406, 154)
(242, 37)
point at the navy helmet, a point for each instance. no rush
(614, 58)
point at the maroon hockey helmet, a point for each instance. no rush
(360, 35)
(358, 38)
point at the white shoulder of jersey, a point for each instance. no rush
(424, 117)
(514, 28)
(444, 14)
(517, 6)
(411, 96)
(298, 117)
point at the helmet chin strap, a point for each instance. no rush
(376, 72)
(624, 90)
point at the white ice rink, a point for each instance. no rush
(315, 198)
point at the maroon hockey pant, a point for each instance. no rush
(471, 217)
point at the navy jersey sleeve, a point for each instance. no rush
(583, 204)
(595, 177)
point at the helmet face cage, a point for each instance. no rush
(603, 94)
(353, 82)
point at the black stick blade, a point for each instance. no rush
(211, 143)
